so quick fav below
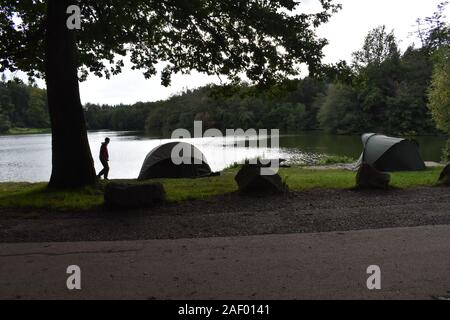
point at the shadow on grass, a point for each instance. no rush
(36, 196)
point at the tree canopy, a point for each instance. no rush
(263, 40)
(433, 31)
(379, 45)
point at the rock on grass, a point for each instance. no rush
(370, 178)
(251, 181)
(444, 178)
(126, 195)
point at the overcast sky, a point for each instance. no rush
(345, 31)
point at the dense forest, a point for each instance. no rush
(22, 105)
(384, 94)
(382, 90)
(387, 93)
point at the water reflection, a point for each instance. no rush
(28, 157)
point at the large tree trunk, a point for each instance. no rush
(72, 164)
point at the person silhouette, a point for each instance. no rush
(104, 158)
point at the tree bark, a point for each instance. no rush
(72, 163)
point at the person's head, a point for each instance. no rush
(106, 140)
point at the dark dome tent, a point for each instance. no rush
(390, 154)
(158, 162)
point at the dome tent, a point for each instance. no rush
(189, 162)
(390, 154)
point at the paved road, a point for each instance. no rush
(414, 262)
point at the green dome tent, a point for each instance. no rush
(390, 154)
(189, 162)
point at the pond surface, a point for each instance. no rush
(28, 157)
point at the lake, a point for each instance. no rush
(28, 157)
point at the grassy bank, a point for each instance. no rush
(35, 195)
(18, 131)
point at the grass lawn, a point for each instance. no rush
(35, 195)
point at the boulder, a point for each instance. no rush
(125, 195)
(250, 180)
(368, 177)
(444, 177)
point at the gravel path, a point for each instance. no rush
(234, 214)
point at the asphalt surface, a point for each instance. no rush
(414, 264)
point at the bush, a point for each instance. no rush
(5, 124)
(333, 159)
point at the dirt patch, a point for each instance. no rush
(234, 214)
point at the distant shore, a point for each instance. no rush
(20, 131)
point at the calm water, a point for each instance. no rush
(28, 157)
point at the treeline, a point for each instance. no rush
(290, 107)
(22, 106)
(386, 94)
(382, 90)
